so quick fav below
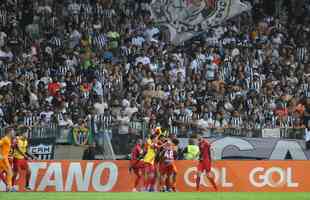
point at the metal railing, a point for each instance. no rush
(141, 129)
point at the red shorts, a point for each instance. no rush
(204, 166)
(20, 164)
(149, 168)
(138, 167)
(168, 168)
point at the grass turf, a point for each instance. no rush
(154, 196)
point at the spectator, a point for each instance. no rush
(191, 152)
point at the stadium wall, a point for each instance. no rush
(113, 176)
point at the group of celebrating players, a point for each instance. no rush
(14, 158)
(153, 163)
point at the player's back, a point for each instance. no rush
(5, 146)
(22, 145)
(204, 148)
(150, 153)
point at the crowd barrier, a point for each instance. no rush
(66, 135)
(114, 176)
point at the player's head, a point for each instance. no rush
(158, 131)
(191, 141)
(168, 143)
(139, 141)
(9, 132)
(199, 138)
(175, 141)
(23, 132)
(162, 138)
(153, 137)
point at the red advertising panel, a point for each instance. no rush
(114, 176)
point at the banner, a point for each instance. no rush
(187, 18)
(113, 176)
(271, 133)
(82, 136)
(256, 148)
(42, 148)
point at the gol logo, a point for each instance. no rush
(220, 176)
(272, 177)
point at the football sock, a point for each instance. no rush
(212, 182)
(197, 183)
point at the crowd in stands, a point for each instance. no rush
(74, 61)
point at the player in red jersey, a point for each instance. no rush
(136, 164)
(21, 157)
(149, 163)
(204, 162)
(175, 148)
(159, 160)
(168, 168)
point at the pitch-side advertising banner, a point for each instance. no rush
(113, 176)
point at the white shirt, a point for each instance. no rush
(33, 98)
(144, 60)
(146, 81)
(3, 35)
(217, 124)
(100, 107)
(307, 135)
(74, 8)
(124, 124)
(211, 69)
(130, 110)
(138, 41)
(97, 87)
(174, 73)
(150, 32)
(48, 115)
(196, 64)
(67, 122)
(4, 83)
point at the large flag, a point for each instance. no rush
(187, 18)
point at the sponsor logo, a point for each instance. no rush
(272, 177)
(74, 177)
(43, 152)
(219, 174)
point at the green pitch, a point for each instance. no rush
(154, 196)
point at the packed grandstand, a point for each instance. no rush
(100, 75)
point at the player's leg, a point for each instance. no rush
(210, 177)
(9, 174)
(167, 179)
(146, 176)
(2, 176)
(163, 179)
(142, 179)
(25, 166)
(172, 181)
(159, 175)
(149, 176)
(198, 175)
(152, 177)
(174, 173)
(16, 170)
(138, 176)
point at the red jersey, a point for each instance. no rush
(53, 88)
(136, 152)
(205, 152)
(169, 155)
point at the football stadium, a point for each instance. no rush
(154, 99)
